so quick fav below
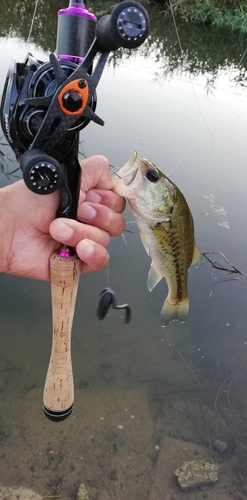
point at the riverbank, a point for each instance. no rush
(219, 13)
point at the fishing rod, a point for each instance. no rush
(44, 107)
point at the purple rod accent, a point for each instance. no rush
(71, 58)
(77, 11)
(66, 252)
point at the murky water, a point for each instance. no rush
(180, 388)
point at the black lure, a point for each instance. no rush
(107, 299)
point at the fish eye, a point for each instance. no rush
(152, 175)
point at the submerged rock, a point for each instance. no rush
(82, 493)
(220, 446)
(196, 473)
(20, 493)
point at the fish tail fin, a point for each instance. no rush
(171, 311)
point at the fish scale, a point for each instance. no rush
(173, 253)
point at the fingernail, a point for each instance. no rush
(87, 247)
(86, 212)
(93, 197)
(63, 232)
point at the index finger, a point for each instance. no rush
(96, 173)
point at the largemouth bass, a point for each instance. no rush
(167, 230)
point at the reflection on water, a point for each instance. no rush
(146, 398)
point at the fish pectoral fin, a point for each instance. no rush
(170, 311)
(153, 278)
(144, 242)
(197, 256)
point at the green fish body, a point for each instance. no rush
(167, 230)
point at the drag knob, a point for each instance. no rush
(42, 174)
(127, 26)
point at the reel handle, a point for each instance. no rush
(58, 395)
(42, 174)
(127, 26)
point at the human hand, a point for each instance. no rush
(30, 231)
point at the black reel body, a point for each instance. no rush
(32, 79)
(28, 91)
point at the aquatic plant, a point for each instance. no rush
(220, 13)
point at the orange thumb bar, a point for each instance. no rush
(59, 385)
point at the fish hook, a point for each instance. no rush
(107, 299)
(114, 170)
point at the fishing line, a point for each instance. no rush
(34, 14)
(107, 297)
(176, 28)
(180, 161)
(108, 269)
(108, 102)
(128, 222)
(243, 56)
(192, 86)
(186, 154)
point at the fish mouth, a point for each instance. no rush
(129, 171)
(127, 178)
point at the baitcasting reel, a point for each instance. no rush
(45, 105)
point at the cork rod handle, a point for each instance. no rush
(59, 385)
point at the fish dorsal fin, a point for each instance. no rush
(153, 278)
(196, 255)
(144, 242)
